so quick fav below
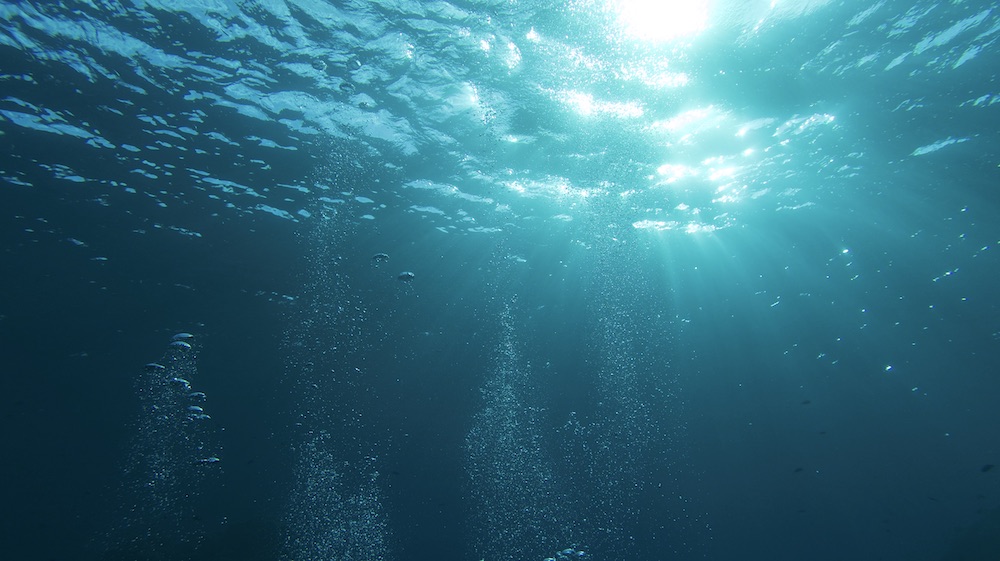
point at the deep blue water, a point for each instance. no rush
(723, 295)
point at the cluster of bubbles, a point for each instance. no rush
(521, 503)
(169, 459)
(184, 399)
(634, 436)
(335, 511)
(335, 505)
(173, 402)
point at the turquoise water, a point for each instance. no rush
(500, 280)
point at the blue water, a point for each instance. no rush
(713, 286)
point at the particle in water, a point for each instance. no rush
(182, 337)
(181, 344)
(155, 366)
(380, 258)
(406, 276)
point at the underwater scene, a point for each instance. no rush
(500, 280)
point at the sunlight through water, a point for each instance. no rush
(501, 280)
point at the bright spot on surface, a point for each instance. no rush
(466, 98)
(722, 173)
(662, 20)
(684, 122)
(513, 55)
(675, 172)
(584, 104)
(695, 228)
(581, 103)
(753, 125)
(659, 78)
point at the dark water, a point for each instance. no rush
(726, 295)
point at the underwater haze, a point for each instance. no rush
(500, 280)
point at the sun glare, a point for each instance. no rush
(662, 20)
